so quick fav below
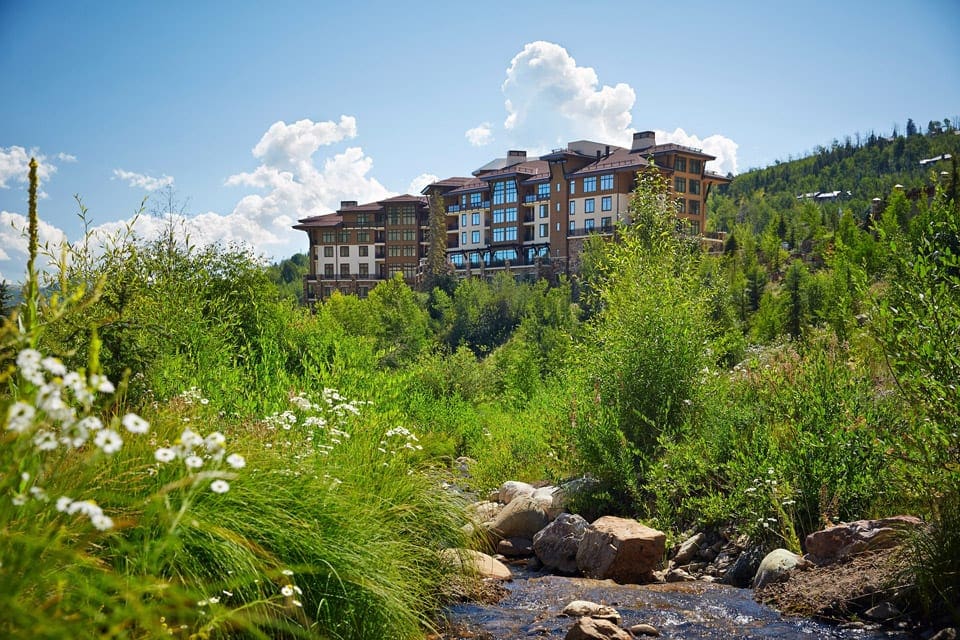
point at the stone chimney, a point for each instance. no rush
(515, 154)
(347, 203)
(643, 140)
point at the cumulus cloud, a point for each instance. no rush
(480, 135)
(722, 147)
(14, 244)
(15, 167)
(142, 181)
(417, 184)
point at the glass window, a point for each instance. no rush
(588, 224)
(682, 205)
(328, 237)
(328, 270)
(463, 219)
(511, 214)
(605, 223)
(696, 166)
(475, 219)
(680, 164)
(409, 250)
(511, 233)
(475, 237)
(363, 236)
(345, 251)
(457, 260)
(498, 234)
(363, 251)
(362, 219)
(544, 210)
(606, 203)
(573, 207)
(558, 187)
(475, 199)
(588, 205)
(680, 185)
(497, 216)
(499, 192)
(543, 190)
(573, 187)
(695, 207)
(544, 230)
(511, 190)
(364, 269)
(590, 184)
(695, 187)
(344, 237)
(606, 182)
(463, 237)
(393, 251)
(409, 234)
(558, 207)
(344, 270)
(573, 226)
(328, 252)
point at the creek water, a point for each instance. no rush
(679, 610)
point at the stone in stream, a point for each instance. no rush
(512, 489)
(643, 629)
(478, 563)
(774, 567)
(743, 571)
(847, 539)
(596, 629)
(689, 549)
(581, 608)
(556, 544)
(515, 547)
(522, 518)
(620, 549)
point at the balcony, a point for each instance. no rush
(528, 217)
(453, 225)
(453, 243)
(585, 231)
(535, 197)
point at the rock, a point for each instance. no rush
(643, 629)
(707, 555)
(494, 496)
(620, 549)
(484, 511)
(744, 569)
(882, 611)
(581, 608)
(948, 633)
(774, 567)
(522, 518)
(551, 498)
(476, 562)
(512, 489)
(572, 488)
(678, 575)
(556, 544)
(463, 464)
(847, 539)
(689, 549)
(515, 547)
(596, 629)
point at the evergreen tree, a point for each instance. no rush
(437, 273)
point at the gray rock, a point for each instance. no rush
(477, 563)
(596, 629)
(556, 544)
(515, 547)
(948, 633)
(581, 608)
(620, 549)
(882, 611)
(643, 629)
(512, 489)
(678, 575)
(522, 518)
(744, 569)
(689, 549)
(551, 498)
(774, 567)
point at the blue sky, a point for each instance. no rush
(260, 113)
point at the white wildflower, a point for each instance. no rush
(135, 424)
(219, 486)
(90, 423)
(190, 439)
(101, 522)
(236, 461)
(108, 440)
(63, 503)
(45, 440)
(296, 603)
(19, 500)
(214, 441)
(20, 416)
(164, 454)
(287, 572)
(28, 361)
(54, 366)
(101, 383)
(193, 462)
(287, 590)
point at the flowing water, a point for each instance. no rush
(678, 610)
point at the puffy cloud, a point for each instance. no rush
(550, 99)
(417, 184)
(142, 181)
(717, 145)
(15, 166)
(291, 146)
(66, 157)
(14, 244)
(480, 135)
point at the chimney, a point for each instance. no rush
(598, 153)
(608, 151)
(347, 203)
(643, 140)
(515, 153)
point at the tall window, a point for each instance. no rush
(363, 236)
(328, 252)
(498, 234)
(475, 199)
(680, 185)
(463, 237)
(475, 219)
(680, 164)
(511, 190)
(364, 269)
(475, 237)
(363, 251)
(328, 270)
(409, 234)
(696, 166)
(344, 237)
(573, 207)
(544, 230)
(511, 214)
(682, 205)
(606, 203)
(328, 237)
(695, 207)
(344, 270)
(588, 224)
(409, 217)
(511, 233)
(573, 187)
(345, 251)
(606, 182)
(497, 216)
(695, 187)
(409, 250)
(590, 184)
(499, 192)
(463, 219)
(544, 210)
(393, 234)
(573, 226)
(543, 190)
(393, 251)
(605, 224)
(588, 205)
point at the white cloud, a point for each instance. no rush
(142, 181)
(66, 157)
(480, 135)
(15, 166)
(291, 146)
(14, 244)
(417, 184)
(722, 147)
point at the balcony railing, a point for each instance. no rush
(453, 208)
(585, 231)
(535, 197)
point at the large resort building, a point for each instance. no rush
(530, 215)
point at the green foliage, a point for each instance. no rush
(287, 276)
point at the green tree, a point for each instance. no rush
(437, 272)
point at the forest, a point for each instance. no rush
(188, 451)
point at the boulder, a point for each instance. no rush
(479, 563)
(847, 539)
(511, 489)
(882, 612)
(774, 567)
(596, 629)
(643, 629)
(745, 567)
(522, 518)
(678, 575)
(484, 511)
(556, 544)
(689, 549)
(551, 498)
(581, 608)
(515, 547)
(620, 549)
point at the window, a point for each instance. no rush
(393, 251)
(682, 205)
(605, 223)
(393, 234)
(511, 233)
(588, 224)
(364, 269)
(463, 237)
(457, 260)
(363, 252)
(363, 292)
(497, 216)
(463, 200)
(695, 227)
(589, 205)
(393, 218)
(543, 190)
(695, 187)
(499, 192)
(475, 237)
(474, 199)
(558, 187)
(344, 270)
(558, 207)
(498, 234)
(363, 236)
(680, 185)
(463, 219)
(409, 234)
(590, 184)
(328, 252)
(573, 187)
(573, 207)
(680, 164)
(475, 219)
(695, 207)
(696, 166)
(328, 237)
(511, 190)
(409, 250)
(328, 270)
(409, 218)
(544, 210)
(474, 258)
(544, 230)
(606, 203)
(362, 220)
(344, 237)
(345, 251)
(572, 226)
(511, 213)
(558, 226)
(606, 182)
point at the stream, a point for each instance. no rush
(678, 610)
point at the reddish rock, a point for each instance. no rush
(620, 549)
(847, 539)
(596, 629)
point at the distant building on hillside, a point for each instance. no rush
(530, 215)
